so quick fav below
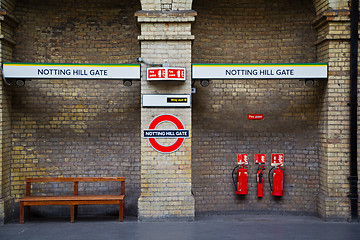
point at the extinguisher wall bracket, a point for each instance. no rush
(262, 167)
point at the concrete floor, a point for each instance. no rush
(211, 227)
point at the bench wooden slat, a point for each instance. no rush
(76, 179)
(71, 197)
(73, 202)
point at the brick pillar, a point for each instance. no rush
(166, 178)
(8, 23)
(333, 46)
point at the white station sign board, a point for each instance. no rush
(71, 71)
(159, 100)
(259, 71)
(166, 73)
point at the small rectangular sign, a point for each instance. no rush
(277, 159)
(177, 100)
(162, 100)
(255, 116)
(71, 71)
(178, 73)
(260, 71)
(155, 74)
(259, 159)
(243, 159)
(165, 73)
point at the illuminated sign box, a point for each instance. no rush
(165, 73)
(260, 71)
(71, 71)
(159, 100)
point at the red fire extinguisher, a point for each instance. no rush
(240, 182)
(260, 180)
(277, 181)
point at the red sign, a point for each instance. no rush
(260, 158)
(277, 159)
(243, 159)
(177, 144)
(156, 73)
(255, 116)
(176, 73)
(166, 73)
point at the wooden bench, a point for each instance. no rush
(72, 200)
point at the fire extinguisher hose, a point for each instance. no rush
(261, 174)
(270, 177)
(234, 180)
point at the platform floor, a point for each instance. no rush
(224, 227)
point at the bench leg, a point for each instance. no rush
(22, 212)
(121, 212)
(76, 211)
(72, 213)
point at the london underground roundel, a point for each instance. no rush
(152, 134)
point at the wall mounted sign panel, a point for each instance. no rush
(277, 159)
(71, 71)
(159, 100)
(259, 71)
(255, 116)
(180, 133)
(243, 159)
(165, 73)
(259, 158)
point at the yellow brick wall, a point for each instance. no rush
(66, 128)
(7, 25)
(255, 32)
(76, 127)
(333, 46)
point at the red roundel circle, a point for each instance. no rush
(177, 144)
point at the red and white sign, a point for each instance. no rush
(179, 134)
(155, 73)
(259, 158)
(176, 73)
(243, 159)
(255, 116)
(277, 159)
(166, 73)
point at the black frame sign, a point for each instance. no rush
(163, 100)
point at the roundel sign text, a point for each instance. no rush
(179, 134)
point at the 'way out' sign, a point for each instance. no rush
(71, 71)
(259, 71)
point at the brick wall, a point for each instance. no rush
(8, 23)
(77, 127)
(255, 32)
(5, 141)
(90, 128)
(334, 46)
(325, 5)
